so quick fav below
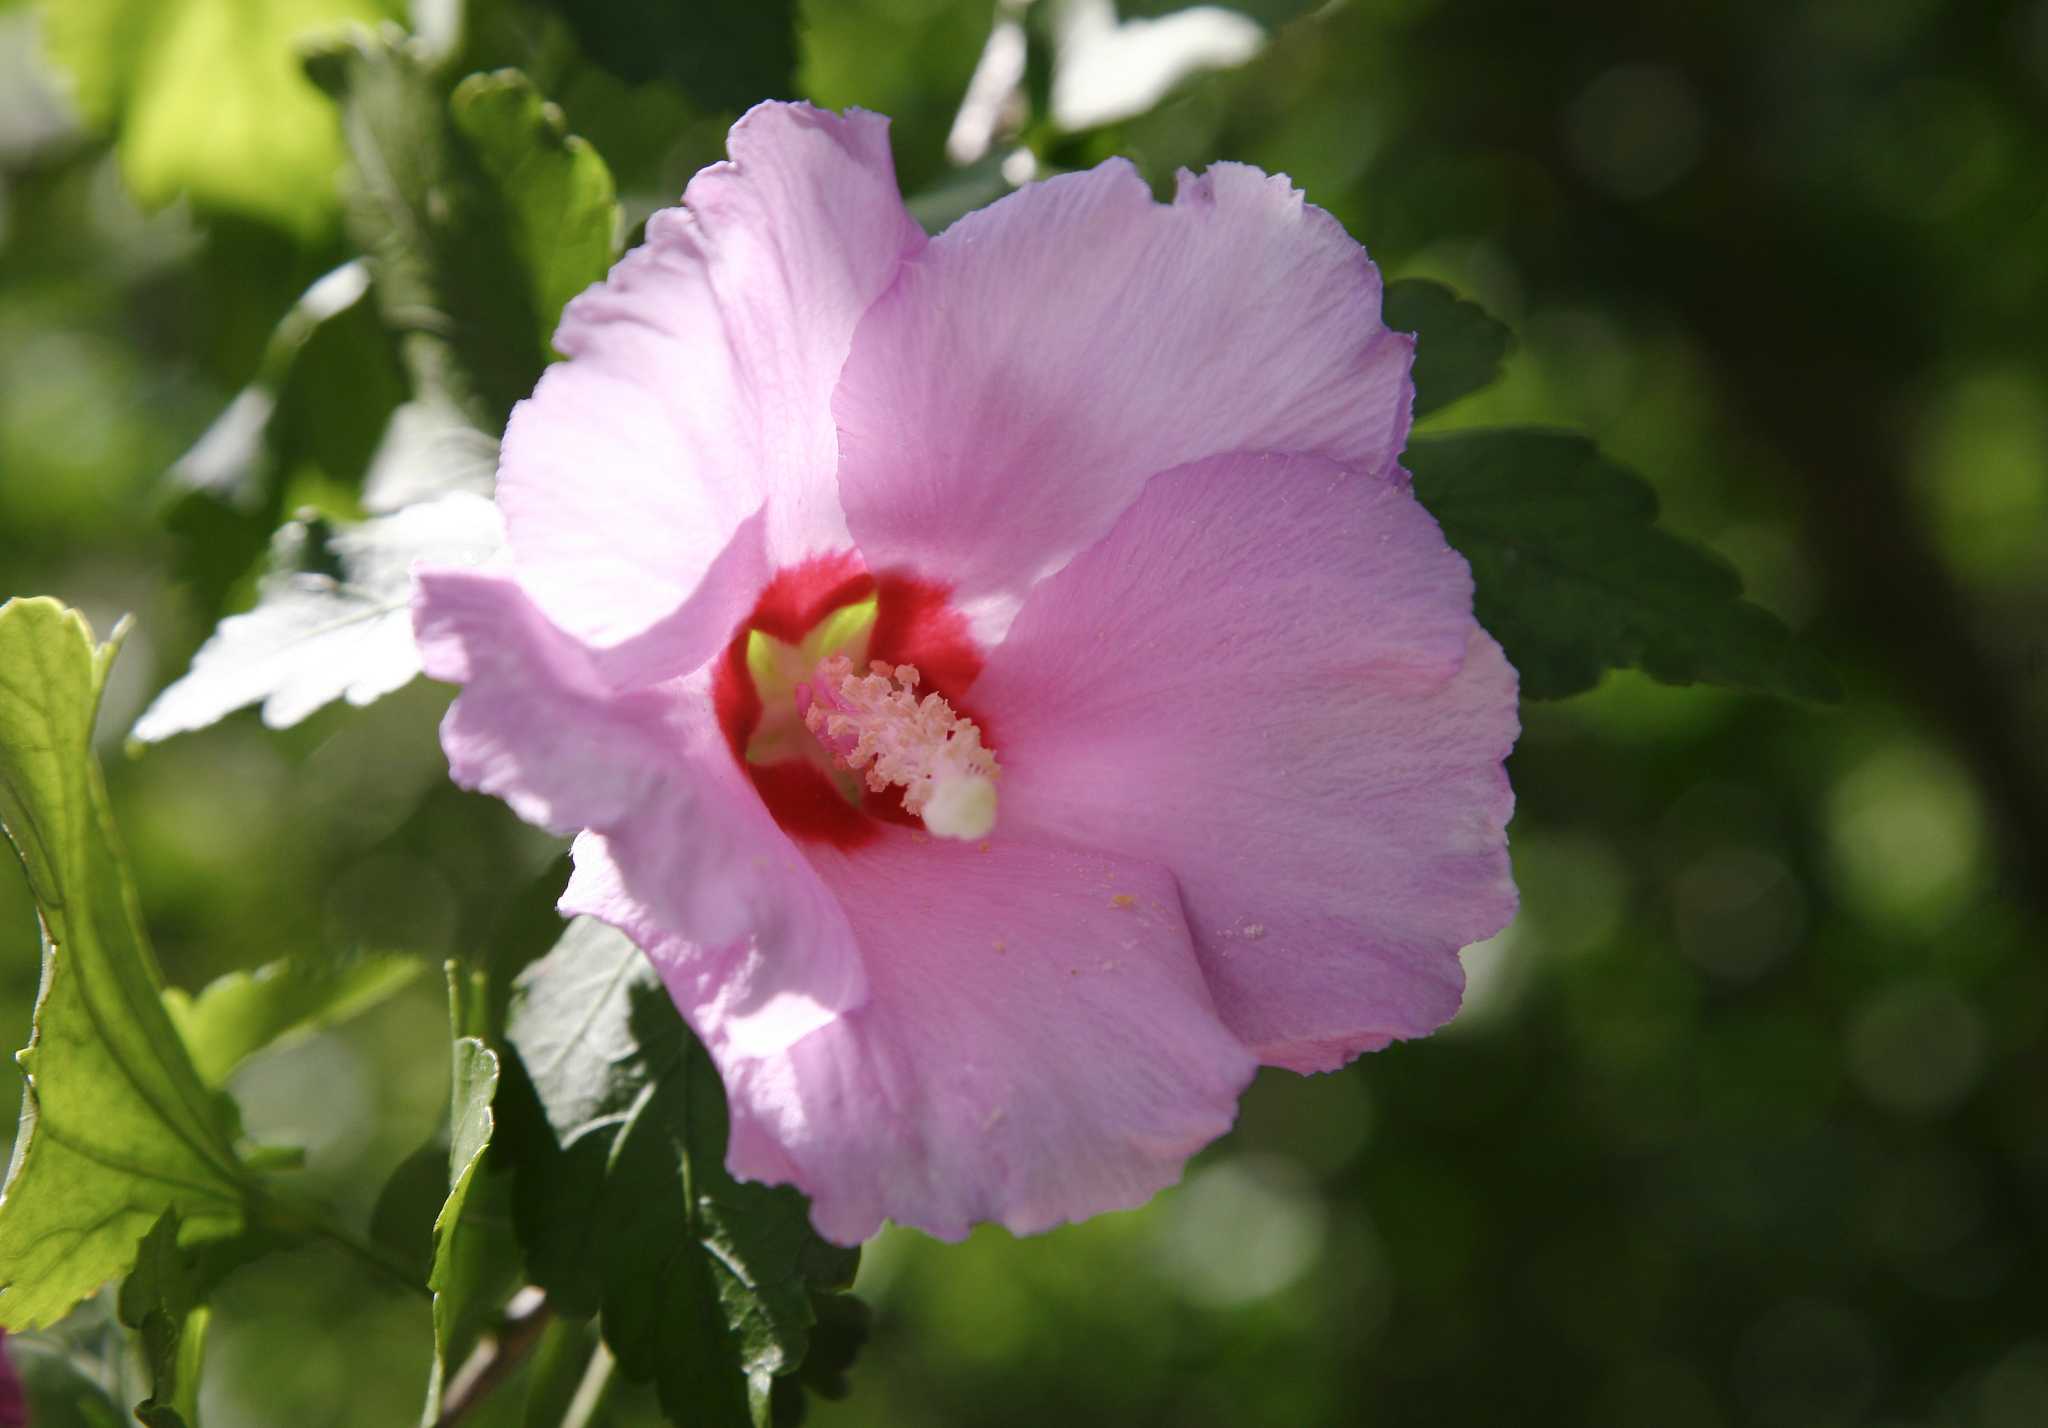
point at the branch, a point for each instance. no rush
(497, 1356)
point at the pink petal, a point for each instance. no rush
(1267, 679)
(796, 968)
(1037, 1045)
(680, 846)
(537, 725)
(1006, 400)
(699, 383)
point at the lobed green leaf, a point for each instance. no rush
(479, 216)
(314, 636)
(706, 1285)
(164, 1300)
(252, 138)
(1459, 348)
(1574, 577)
(117, 1126)
(237, 1015)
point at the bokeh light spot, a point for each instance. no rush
(1916, 1048)
(1907, 836)
(1240, 1231)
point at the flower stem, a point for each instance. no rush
(593, 1390)
(497, 1357)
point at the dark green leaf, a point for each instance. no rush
(445, 279)
(239, 1014)
(479, 220)
(1574, 577)
(402, 1220)
(476, 1262)
(725, 54)
(1458, 348)
(233, 460)
(322, 410)
(841, 1332)
(116, 1126)
(706, 1285)
(164, 1301)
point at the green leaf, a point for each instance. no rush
(478, 219)
(326, 389)
(206, 98)
(314, 636)
(1458, 347)
(116, 1125)
(476, 1262)
(724, 54)
(1574, 577)
(164, 1301)
(705, 1285)
(844, 1324)
(402, 1220)
(233, 460)
(563, 215)
(239, 1014)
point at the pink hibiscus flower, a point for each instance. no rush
(1001, 679)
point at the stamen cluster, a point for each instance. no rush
(876, 722)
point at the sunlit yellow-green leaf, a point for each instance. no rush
(116, 1126)
(241, 1013)
(206, 98)
(557, 193)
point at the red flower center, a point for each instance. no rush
(914, 624)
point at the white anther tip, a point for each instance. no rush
(961, 807)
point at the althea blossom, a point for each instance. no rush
(1001, 679)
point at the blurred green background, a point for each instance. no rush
(1744, 1121)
